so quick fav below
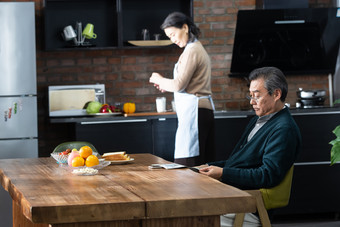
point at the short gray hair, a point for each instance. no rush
(274, 79)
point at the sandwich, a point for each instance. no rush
(116, 156)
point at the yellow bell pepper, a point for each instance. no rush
(129, 107)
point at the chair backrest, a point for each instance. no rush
(279, 195)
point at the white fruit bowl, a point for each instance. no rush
(60, 158)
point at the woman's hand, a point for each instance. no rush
(155, 79)
(212, 171)
(157, 86)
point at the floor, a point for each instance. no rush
(315, 220)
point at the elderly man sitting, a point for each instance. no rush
(269, 145)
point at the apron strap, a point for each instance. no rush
(210, 99)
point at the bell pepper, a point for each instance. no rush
(129, 107)
(105, 109)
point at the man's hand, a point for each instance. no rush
(201, 166)
(212, 171)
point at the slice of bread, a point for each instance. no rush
(114, 156)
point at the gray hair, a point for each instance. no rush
(274, 79)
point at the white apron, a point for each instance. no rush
(186, 144)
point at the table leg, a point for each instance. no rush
(19, 218)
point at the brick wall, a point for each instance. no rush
(125, 73)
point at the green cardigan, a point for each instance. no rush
(266, 158)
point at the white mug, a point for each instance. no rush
(173, 104)
(69, 33)
(161, 104)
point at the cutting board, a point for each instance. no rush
(148, 114)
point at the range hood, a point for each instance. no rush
(297, 41)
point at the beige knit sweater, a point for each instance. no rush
(194, 74)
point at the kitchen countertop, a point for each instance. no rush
(144, 116)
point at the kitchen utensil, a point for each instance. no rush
(88, 32)
(69, 33)
(310, 94)
(157, 36)
(80, 37)
(311, 98)
(145, 34)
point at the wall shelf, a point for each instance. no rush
(115, 21)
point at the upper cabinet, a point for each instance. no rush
(107, 23)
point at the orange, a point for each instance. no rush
(71, 157)
(78, 161)
(92, 160)
(85, 151)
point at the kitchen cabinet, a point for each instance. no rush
(133, 136)
(163, 136)
(316, 130)
(228, 131)
(155, 136)
(315, 189)
(115, 21)
(316, 185)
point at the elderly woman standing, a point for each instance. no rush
(192, 92)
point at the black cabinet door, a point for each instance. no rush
(228, 131)
(164, 133)
(316, 131)
(315, 184)
(315, 189)
(132, 137)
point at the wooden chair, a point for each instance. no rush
(269, 198)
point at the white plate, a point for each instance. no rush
(107, 114)
(118, 162)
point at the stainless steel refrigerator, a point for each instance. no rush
(18, 89)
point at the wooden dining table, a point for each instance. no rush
(45, 193)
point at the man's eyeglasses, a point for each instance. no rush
(256, 98)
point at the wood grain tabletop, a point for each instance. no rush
(49, 193)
